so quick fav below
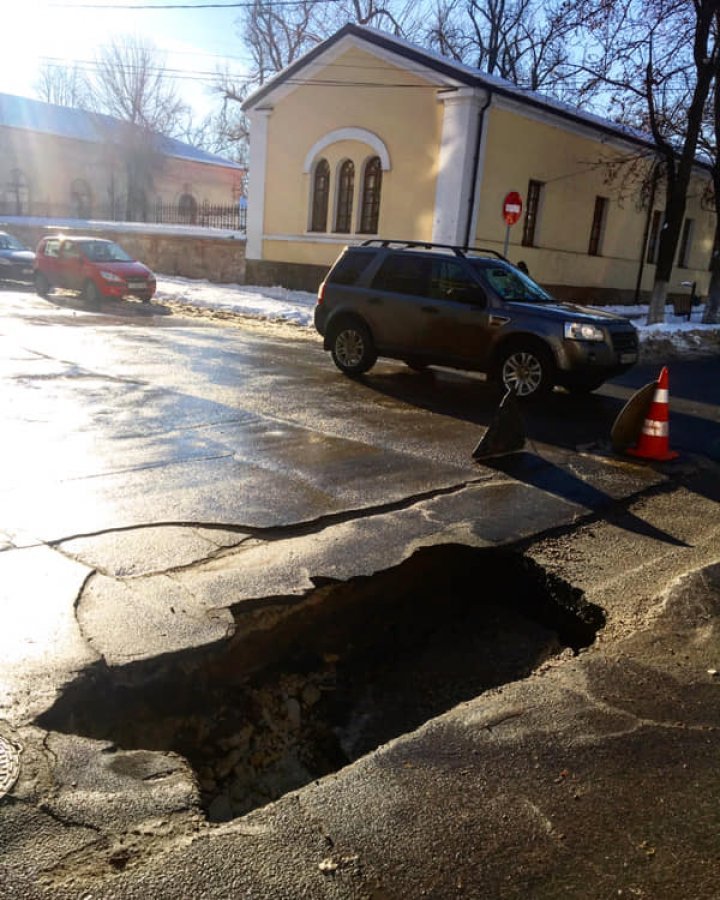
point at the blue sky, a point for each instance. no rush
(194, 41)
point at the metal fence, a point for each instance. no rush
(230, 216)
(206, 215)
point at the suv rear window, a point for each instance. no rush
(350, 267)
(438, 278)
(403, 274)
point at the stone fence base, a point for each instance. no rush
(219, 258)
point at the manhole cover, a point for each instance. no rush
(9, 765)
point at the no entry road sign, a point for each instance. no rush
(512, 207)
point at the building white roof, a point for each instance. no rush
(80, 125)
(456, 73)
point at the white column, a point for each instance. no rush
(456, 170)
(257, 167)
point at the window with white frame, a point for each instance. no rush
(187, 209)
(370, 200)
(685, 244)
(320, 196)
(532, 210)
(597, 228)
(17, 194)
(345, 190)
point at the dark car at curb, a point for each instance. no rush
(94, 267)
(436, 304)
(16, 260)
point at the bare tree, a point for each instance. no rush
(277, 36)
(657, 59)
(528, 42)
(400, 18)
(709, 142)
(131, 84)
(64, 85)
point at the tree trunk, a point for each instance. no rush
(711, 316)
(666, 254)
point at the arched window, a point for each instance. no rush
(370, 203)
(137, 204)
(320, 195)
(17, 193)
(81, 198)
(346, 185)
(187, 209)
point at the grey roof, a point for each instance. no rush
(77, 124)
(458, 72)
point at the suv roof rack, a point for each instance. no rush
(429, 245)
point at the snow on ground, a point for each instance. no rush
(277, 304)
(93, 225)
(271, 304)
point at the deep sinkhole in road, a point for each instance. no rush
(307, 685)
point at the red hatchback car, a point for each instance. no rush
(95, 267)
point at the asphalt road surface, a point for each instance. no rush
(186, 503)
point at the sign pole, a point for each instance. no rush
(511, 211)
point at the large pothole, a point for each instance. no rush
(307, 685)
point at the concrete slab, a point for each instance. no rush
(41, 644)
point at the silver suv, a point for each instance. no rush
(435, 304)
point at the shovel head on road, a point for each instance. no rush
(628, 425)
(506, 432)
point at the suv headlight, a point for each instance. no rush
(110, 276)
(583, 331)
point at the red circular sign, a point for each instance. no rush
(512, 208)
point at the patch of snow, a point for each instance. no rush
(279, 304)
(90, 225)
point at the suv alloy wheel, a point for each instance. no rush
(352, 347)
(527, 371)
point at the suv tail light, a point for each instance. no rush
(321, 293)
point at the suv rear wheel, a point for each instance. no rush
(527, 370)
(352, 348)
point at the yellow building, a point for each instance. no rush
(370, 136)
(58, 161)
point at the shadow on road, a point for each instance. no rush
(546, 476)
(561, 420)
(108, 305)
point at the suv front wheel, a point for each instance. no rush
(352, 348)
(527, 370)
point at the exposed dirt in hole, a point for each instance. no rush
(307, 685)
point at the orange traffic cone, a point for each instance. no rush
(654, 441)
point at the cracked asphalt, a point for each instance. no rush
(163, 475)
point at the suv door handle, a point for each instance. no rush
(430, 309)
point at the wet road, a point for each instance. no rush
(132, 415)
(182, 498)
